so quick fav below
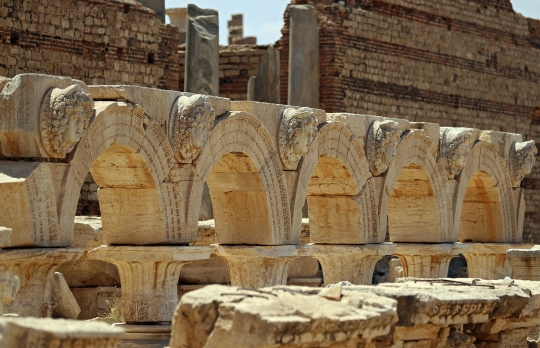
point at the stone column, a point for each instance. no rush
(202, 51)
(303, 57)
(488, 260)
(149, 278)
(525, 263)
(428, 260)
(353, 263)
(255, 267)
(178, 17)
(266, 84)
(35, 269)
(251, 88)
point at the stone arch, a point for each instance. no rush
(333, 176)
(414, 198)
(130, 158)
(484, 209)
(246, 182)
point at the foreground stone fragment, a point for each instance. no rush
(149, 277)
(33, 332)
(221, 316)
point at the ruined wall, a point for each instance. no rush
(457, 63)
(96, 41)
(236, 64)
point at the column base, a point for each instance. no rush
(149, 277)
(35, 268)
(352, 263)
(428, 260)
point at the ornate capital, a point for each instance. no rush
(382, 142)
(521, 160)
(64, 116)
(456, 144)
(190, 122)
(297, 131)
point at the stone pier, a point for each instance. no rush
(202, 51)
(353, 263)
(303, 57)
(428, 260)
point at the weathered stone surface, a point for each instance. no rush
(280, 316)
(303, 57)
(66, 305)
(428, 260)
(525, 263)
(96, 301)
(178, 17)
(49, 333)
(266, 84)
(202, 51)
(5, 236)
(147, 336)
(489, 260)
(149, 277)
(9, 286)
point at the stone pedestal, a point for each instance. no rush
(303, 57)
(35, 269)
(353, 263)
(149, 277)
(525, 263)
(428, 260)
(202, 51)
(52, 333)
(255, 267)
(488, 260)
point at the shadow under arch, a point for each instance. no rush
(414, 197)
(246, 182)
(484, 208)
(333, 177)
(129, 161)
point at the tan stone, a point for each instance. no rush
(488, 260)
(9, 286)
(5, 236)
(525, 263)
(428, 260)
(66, 305)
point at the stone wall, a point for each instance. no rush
(96, 41)
(236, 64)
(456, 63)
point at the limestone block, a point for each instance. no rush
(9, 286)
(502, 140)
(304, 76)
(211, 271)
(96, 301)
(28, 204)
(428, 260)
(525, 263)
(148, 336)
(395, 267)
(6, 235)
(304, 267)
(34, 332)
(488, 260)
(254, 267)
(25, 108)
(355, 122)
(202, 51)
(149, 277)
(281, 316)
(66, 305)
(352, 263)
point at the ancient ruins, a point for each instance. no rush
(138, 216)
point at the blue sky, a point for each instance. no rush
(264, 19)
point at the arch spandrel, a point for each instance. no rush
(344, 157)
(121, 133)
(239, 136)
(486, 166)
(415, 161)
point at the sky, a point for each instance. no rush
(264, 18)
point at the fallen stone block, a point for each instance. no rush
(66, 304)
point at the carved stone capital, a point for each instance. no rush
(253, 267)
(64, 116)
(456, 144)
(522, 157)
(297, 131)
(488, 260)
(149, 278)
(353, 263)
(428, 260)
(190, 122)
(382, 142)
(525, 263)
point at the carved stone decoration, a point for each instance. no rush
(64, 116)
(521, 160)
(189, 124)
(298, 128)
(383, 139)
(456, 143)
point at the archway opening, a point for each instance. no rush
(412, 208)
(458, 267)
(335, 216)
(481, 212)
(239, 201)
